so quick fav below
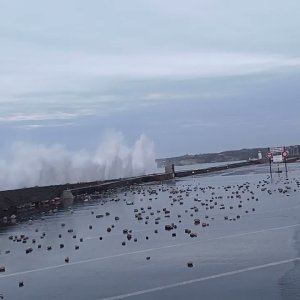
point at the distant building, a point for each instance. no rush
(294, 150)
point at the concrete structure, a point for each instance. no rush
(170, 169)
(67, 198)
(14, 200)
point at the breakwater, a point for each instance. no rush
(13, 200)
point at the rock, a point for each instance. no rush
(197, 221)
(168, 227)
(29, 250)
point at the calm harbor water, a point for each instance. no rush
(249, 248)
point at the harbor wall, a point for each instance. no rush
(12, 200)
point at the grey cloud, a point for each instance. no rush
(185, 73)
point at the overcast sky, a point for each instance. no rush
(194, 76)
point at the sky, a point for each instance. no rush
(193, 76)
